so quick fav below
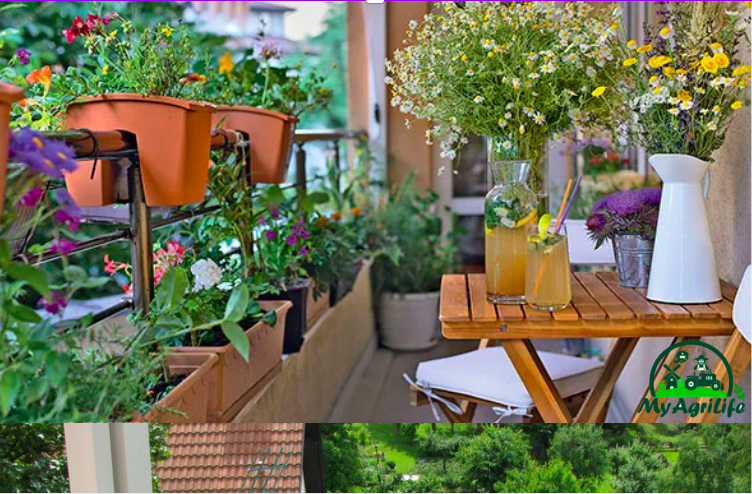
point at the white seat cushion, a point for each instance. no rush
(488, 374)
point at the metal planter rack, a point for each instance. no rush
(117, 145)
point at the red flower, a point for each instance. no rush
(595, 160)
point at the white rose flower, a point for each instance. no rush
(206, 273)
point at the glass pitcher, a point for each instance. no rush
(510, 207)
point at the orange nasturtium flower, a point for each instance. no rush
(193, 78)
(356, 211)
(41, 76)
(336, 216)
(226, 64)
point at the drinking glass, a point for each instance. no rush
(548, 286)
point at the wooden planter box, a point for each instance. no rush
(193, 400)
(271, 134)
(174, 142)
(236, 378)
(8, 95)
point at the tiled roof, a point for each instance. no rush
(216, 457)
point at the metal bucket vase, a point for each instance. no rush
(683, 270)
(633, 255)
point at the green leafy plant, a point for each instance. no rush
(425, 254)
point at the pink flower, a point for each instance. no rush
(54, 304)
(31, 198)
(63, 246)
(64, 217)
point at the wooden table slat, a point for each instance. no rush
(724, 309)
(535, 315)
(634, 300)
(728, 290)
(587, 307)
(609, 302)
(482, 310)
(510, 313)
(566, 314)
(454, 305)
(701, 311)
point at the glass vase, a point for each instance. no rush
(510, 207)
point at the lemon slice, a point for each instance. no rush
(527, 219)
(543, 224)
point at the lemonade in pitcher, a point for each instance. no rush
(510, 207)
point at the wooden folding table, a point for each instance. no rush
(600, 308)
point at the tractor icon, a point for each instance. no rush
(704, 379)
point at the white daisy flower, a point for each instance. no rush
(687, 105)
(506, 145)
(478, 99)
(673, 111)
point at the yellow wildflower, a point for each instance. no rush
(599, 91)
(721, 59)
(226, 64)
(629, 62)
(658, 90)
(669, 72)
(684, 95)
(736, 105)
(631, 44)
(105, 70)
(665, 32)
(658, 61)
(709, 65)
(716, 109)
(645, 48)
(167, 31)
(742, 70)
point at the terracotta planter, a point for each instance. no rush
(315, 307)
(195, 397)
(271, 134)
(236, 377)
(8, 95)
(174, 140)
(296, 324)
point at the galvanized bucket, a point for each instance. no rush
(633, 255)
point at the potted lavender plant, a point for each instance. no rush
(628, 218)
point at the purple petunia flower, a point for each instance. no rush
(273, 211)
(24, 56)
(292, 240)
(270, 234)
(31, 198)
(65, 217)
(54, 304)
(69, 213)
(40, 155)
(63, 246)
(303, 251)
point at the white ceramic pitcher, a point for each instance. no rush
(683, 269)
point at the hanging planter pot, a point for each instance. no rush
(236, 378)
(8, 95)
(296, 324)
(194, 399)
(683, 269)
(271, 136)
(173, 138)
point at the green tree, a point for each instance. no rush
(32, 458)
(540, 438)
(489, 457)
(342, 462)
(583, 446)
(160, 451)
(442, 446)
(554, 476)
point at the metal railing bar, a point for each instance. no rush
(101, 241)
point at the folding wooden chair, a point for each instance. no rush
(458, 384)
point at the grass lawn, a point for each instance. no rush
(394, 447)
(671, 456)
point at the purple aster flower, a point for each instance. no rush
(596, 222)
(24, 56)
(270, 234)
(292, 240)
(63, 246)
(304, 234)
(31, 198)
(303, 251)
(54, 304)
(273, 211)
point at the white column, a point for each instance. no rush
(108, 457)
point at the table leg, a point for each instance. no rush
(645, 417)
(737, 352)
(598, 397)
(537, 381)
